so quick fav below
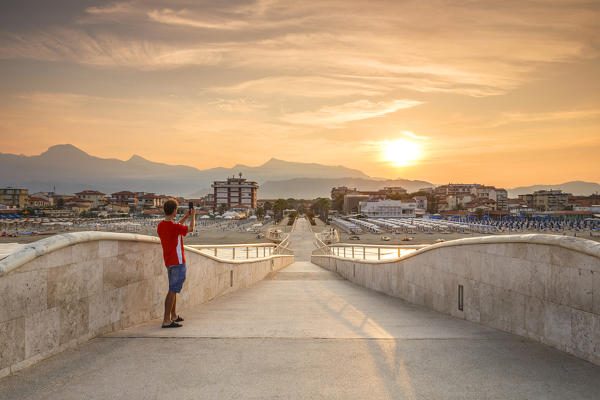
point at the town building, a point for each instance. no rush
(342, 191)
(96, 197)
(456, 201)
(352, 202)
(14, 197)
(48, 196)
(421, 202)
(500, 196)
(389, 208)
(583, 202)
(78, 204)
(39, 202)
(125, 197)
(116, 208)
(481, 204)
(455, 196)
(547, 200)
(454, 189)
(150, 200)
(394, 190)
(381, 193)
(235, 193)
(209, 200)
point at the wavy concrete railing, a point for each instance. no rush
(64, 290)
(543, 287)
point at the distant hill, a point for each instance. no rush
(71, 169)
(578, 188)
(310, 188)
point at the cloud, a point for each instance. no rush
(241, 105)
(335, 116)
(103, 50)
(112, 8)
(474, 48)
(507, 118)
(171, 17)
(305, 86)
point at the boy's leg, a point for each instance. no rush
(169, 300)
(174, 309)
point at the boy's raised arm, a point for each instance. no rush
(185, 217)
(192, 213)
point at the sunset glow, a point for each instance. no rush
(401, 152)
(215, 84)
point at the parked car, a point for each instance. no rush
(354, 237)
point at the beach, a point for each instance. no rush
(213, 235)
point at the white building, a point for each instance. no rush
(389, 209)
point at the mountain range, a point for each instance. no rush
(578, 188)
(70, 170)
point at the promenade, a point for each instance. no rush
(306, 333)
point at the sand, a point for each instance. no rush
(217, 236)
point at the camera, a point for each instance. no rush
(191, 205)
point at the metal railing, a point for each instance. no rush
(244, 251)
(365, 251)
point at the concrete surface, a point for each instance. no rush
(541, 287)
(303, 333)
(81, 285)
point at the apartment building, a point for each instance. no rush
(14, 197)
(235, 193)
(500, 196)
(96, 197)
(547, 200)
(125, 197)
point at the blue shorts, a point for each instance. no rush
(176, 277)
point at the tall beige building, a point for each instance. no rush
(14, 197)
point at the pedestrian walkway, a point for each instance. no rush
(305, 333)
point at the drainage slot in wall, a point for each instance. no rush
(231, 278)
(460, 297)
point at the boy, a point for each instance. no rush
(171, 238)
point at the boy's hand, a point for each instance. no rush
(192, 212)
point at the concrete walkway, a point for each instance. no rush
(304, 333)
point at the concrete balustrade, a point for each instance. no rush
(62, 291)
(543, 287)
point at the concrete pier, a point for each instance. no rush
(305, 333)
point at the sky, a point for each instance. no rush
(505, 93)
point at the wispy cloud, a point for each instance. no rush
(507, 118)
(103, 49)
(241, 105)
(305, 86)
(112, 8)
(335, 116)
(172, 17)
(483, 50)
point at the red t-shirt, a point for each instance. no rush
(171, 238)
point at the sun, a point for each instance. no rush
(400, 152)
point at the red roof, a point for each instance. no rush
(123, 193)
(90, 192)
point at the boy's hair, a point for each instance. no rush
(170, 206)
